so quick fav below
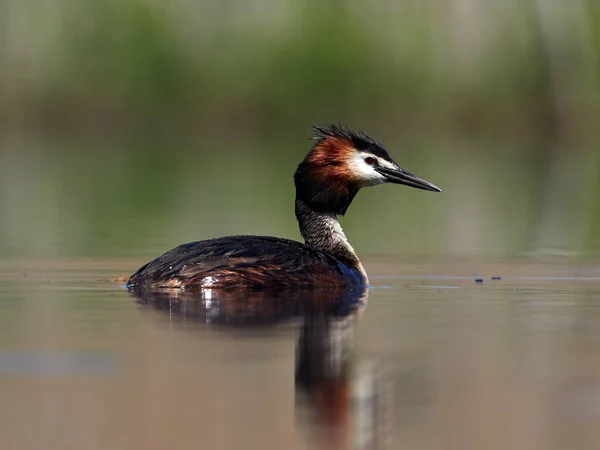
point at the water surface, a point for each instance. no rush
(432, 360)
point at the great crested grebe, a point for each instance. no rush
(338, 165)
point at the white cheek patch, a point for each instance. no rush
(365, 172)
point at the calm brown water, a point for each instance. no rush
(434, 361)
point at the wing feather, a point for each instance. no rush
(251, 261)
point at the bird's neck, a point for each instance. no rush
(323, 232)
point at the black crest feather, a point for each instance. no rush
(360, 140)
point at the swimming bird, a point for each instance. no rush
(339, 164)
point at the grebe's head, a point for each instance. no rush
(343, 161)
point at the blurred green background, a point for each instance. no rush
(130, 126)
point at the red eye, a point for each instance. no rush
(370, 160)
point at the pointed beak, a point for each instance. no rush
(400, 176)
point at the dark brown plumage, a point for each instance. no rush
(242, 261)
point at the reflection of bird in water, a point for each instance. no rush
(343, 399)
(324, 363)
(339, 164)
(247, 307)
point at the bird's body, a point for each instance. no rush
(244, 261)
(339, 164)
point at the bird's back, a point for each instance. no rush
(242, 261)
